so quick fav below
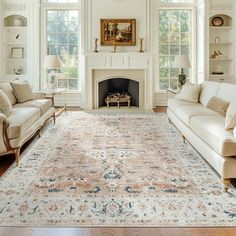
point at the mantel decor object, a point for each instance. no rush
(181, 61)
(123, 31)
(96, 45)
(141, 45)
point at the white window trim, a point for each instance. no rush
(59, 6)
(193, 8)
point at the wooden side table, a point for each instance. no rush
(50, 94)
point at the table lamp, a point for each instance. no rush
(53, 63)
(181, 61)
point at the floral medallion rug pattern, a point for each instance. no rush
(95, 169)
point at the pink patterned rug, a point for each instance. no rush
(95, 169)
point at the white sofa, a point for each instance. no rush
(205, 129)
(23, 122)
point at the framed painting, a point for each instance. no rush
(121, 32)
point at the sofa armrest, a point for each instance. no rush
(38, 95)
(4, 144)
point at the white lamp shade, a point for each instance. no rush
(181, 61)
(52, 62)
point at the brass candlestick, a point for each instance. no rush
(114, 49)
(141, 46)
(96, 45)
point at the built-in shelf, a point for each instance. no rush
(221, 27)
(18, 43)
(15, 27)
(226, 43)
(15, 36)
(221, 59)
(221, 75)
(11, 59)
(14, 75)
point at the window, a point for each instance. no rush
(62, 40)
(174, 39)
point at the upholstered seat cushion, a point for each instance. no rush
(20, 120)
(175, 104)
(185, 113)
(42, 104)
(211, 129)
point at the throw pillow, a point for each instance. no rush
(218, 105)
(23, 91)
(5, 104)
(7, 89)
(189, 92)
(235, 132)
(230, 119)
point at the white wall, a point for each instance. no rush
(122, 9)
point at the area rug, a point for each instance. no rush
(111, 170)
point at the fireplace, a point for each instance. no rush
(118, 92)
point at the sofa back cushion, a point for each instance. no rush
(209, 90)
(5, 104)
(7, 89)
(189, 92)
(23, 91)
(227, 92)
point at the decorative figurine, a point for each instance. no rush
(18, 70)
(141, 46)
(96, 45)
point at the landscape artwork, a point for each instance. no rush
(120, 32)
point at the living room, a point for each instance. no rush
(117, 117)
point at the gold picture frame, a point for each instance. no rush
(119, 32)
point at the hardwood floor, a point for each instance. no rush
(117, 232)
(6, 162)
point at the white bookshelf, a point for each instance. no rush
(221, 42)
(15, 46)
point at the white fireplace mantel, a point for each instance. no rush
(123, 62)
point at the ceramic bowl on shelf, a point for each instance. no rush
(18, 22)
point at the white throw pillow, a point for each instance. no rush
(235, 132)
(5, 104)
(230, 119)
(22, 91)
(189, 92)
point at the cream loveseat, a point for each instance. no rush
(23, 122)
(205, 129)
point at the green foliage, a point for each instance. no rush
(174, 39)
(62, 37)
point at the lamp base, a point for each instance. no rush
(181, 80)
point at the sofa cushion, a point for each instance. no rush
(208, 90)
(42, 104)
(20, 120)
(185, 113)
(175, 104)
(230, 119)
(5, 104)
(227, 92)
(218, 105)
(211, 129)
(7, 89)
(189, 92)
(22, 91)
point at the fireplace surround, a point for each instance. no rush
(134, 67)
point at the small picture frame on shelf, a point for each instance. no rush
(17, 53)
